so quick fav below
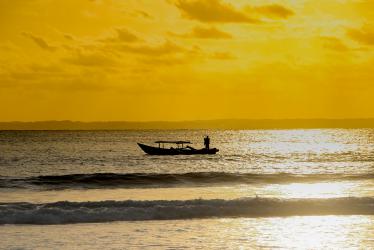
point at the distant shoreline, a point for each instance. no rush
(234, 124)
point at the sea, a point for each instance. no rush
(264, 189)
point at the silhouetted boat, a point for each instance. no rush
(179, 150)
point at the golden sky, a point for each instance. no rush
(93, 60)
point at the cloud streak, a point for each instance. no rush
(206, 33)
(90, 60)
(39, 41)
(122, 35)
(212, 11)
(364, 35)
(126, 36)
(223, 56)
(143, 14)
(271, 11)
(166, 48)
(333, 43)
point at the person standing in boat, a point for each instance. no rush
(206, 142)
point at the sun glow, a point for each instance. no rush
(309, 232)
(313, 190)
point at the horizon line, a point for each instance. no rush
(192, 120)
(230, 124)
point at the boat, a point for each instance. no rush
(178, 150)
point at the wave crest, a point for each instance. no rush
(136, 180)
(64, 212)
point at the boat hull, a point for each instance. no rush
(176, 151)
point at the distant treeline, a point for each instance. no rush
(206, 124)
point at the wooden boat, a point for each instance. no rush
(179, 150)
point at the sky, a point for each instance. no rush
(153, 60)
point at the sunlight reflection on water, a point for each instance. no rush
(313, 190)
(306, 232)
(312, 232)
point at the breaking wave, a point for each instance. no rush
(65, 212)
(139, 180)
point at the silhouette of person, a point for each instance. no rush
(206, 142)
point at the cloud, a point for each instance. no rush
(7, 47)
(48, 68)
(143, 14)
(29, 74)
(126, 36)
(333, 43)
(223, 56)
(122, 35)
(271, 11)
(206, 33)
(166, 48)
(165, 61)
(136, 13)
(39, 41)
(212, 11)
(68, 37)
(90, 60)
(365, 35)
(56, 77)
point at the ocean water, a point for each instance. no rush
(288, 189)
